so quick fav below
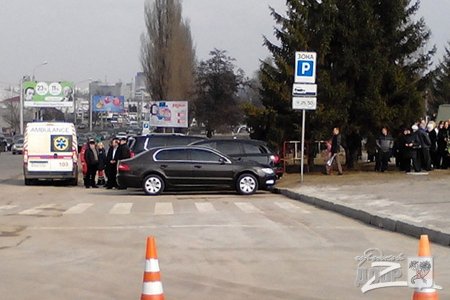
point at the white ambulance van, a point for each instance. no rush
(50, 151)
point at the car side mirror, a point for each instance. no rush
(222, 161)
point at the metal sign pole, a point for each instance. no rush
(21, 106)
(303, 144)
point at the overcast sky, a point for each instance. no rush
(100, 39)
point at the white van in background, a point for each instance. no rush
(50, 151)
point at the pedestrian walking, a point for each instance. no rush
(335, 149)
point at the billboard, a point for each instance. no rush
(48, 94)
(113, 104)
(169, 114)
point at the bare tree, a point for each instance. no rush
(167, 52)
(11, 114)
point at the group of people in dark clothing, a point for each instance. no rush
(421, 147)
(100, 162)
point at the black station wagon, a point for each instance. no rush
(160, 169)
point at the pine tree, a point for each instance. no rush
(441, 82)
(371, 66)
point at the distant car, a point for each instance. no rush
(143, 143)
(247, 150)
(81, 126)
(17, 137)
(160, 169)
(121, 134)
(17, 148)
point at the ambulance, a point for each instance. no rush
(50, 152)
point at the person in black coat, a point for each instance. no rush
(91, 158)
(425, 144)
(433, 134)
(124, 150)
(335, 149)
(442, 139)
(111, 163)
(101, 164)
(412, 149)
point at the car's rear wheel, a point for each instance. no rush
(246, 184)
(153, 185)
(28, 181)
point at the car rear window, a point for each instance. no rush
(228, 147)
(138, 144)
(156, 141)
(172, 154)
(204, 155)
(254, 148)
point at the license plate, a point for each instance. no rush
(40, 165)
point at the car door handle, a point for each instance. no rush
(197, 166)
(163, 166)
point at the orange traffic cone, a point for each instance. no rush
(428, 293)
(152, 288)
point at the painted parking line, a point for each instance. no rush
(7, 207)
(121, 209)
(247, 207)
(163, 208)
(291, 207)
(78, 209)
(37, 210)
(205, 207)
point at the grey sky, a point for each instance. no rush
(100, 39)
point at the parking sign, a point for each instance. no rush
(305, 67)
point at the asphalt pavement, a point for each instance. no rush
(412, 204)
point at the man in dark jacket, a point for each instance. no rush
(111, 163)
(433, 134)
(91, 158)
(124, 150)
(425, 144)
(414, 147)
(385, 143)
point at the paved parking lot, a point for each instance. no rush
(76, 243)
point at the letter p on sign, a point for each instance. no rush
(305, 67)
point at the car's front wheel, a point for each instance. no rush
(246, 184)
(153, 185)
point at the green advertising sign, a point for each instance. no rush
(48, 94)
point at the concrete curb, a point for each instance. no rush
(435, 236)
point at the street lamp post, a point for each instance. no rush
(75, 99)
(38, 116)
(40, 65)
